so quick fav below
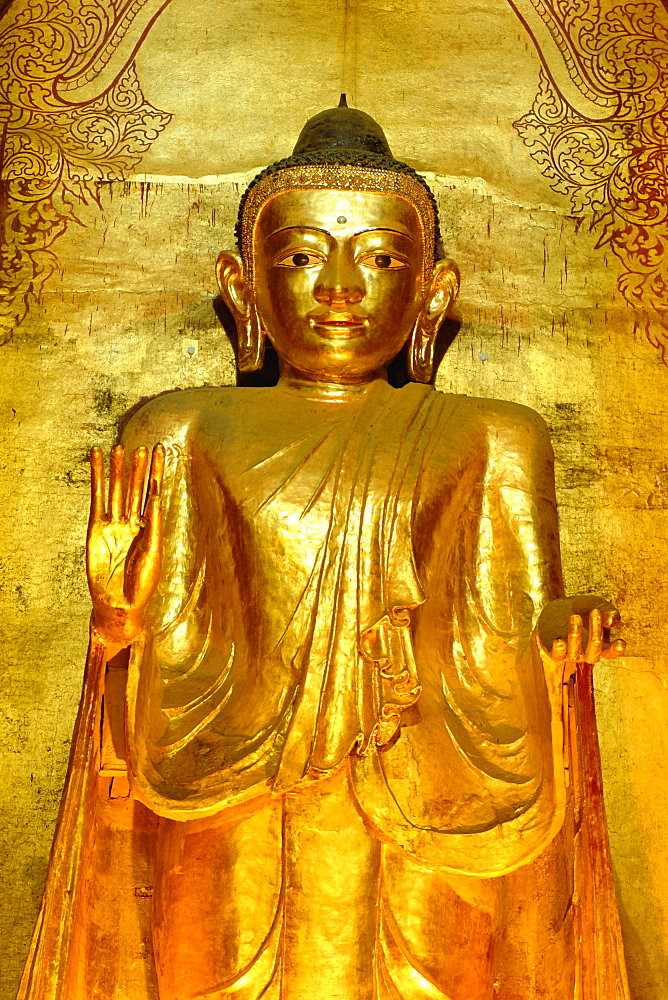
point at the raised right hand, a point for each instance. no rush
(124, 543)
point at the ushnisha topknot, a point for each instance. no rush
(340, 149)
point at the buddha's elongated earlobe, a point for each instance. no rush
(421, 353)
(240, 300)
(252, 340)
(422, 341)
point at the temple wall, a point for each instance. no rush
(127, 313)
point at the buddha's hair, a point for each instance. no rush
(361, 159)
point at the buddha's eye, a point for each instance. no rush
(300, 258)
(383, 261)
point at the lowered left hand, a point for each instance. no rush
(564, 635)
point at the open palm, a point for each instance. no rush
(124, 543)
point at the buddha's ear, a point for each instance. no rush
(441, 296)
(233, 286)
(240, 300)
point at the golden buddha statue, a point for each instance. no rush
(337, 737)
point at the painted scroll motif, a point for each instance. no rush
(598, 129)
(72, 115)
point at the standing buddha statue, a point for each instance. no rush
(336, 740)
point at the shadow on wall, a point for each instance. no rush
(643, 981)
(634, 758)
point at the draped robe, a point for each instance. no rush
(346, 609)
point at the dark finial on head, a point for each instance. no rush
(342, 129)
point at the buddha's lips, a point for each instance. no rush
(339, 321)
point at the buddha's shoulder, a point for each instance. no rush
(497, 418)
(179, 414)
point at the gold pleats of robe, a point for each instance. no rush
(345, 749)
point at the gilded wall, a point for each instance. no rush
(123, 163)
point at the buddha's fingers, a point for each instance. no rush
(97, 511)
(611, 618)
(595, 644)
(156, 473)
(558, 653)
(574, 640)
(617, 648)
(136, 483)
(116, 476)
(152, 541)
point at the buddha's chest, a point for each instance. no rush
(296, 493)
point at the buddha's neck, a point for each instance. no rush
(327, 389)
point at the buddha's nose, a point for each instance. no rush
(339, 284)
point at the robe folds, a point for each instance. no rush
(229, 694)
(348, 589)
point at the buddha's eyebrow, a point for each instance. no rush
(286, 229)
(315, 229)
(384, 229)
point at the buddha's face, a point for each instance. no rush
(338, 279)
